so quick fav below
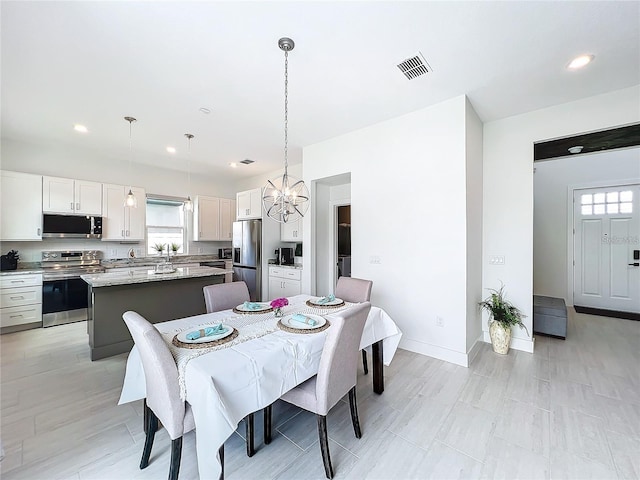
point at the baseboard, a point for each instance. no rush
(522, 344)
(434, 351)
(608, 313)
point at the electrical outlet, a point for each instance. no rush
(113, 253)
(439, 322)
(199, 249)
(496, 259)
(375, 259)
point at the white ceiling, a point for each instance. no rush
(96, 62)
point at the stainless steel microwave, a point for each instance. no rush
(71, 226)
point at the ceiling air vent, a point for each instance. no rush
(414, 67)
(246, 161)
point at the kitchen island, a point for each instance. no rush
(156, 296)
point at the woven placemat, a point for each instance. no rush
(282, 326)
(214, 343)
(252, 312)
(314, 305)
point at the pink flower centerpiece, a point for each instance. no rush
(277, 305)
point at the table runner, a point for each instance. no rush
(249, 327)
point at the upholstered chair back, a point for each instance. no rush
(160, 372)
(337, 372)
(354, 290)
(224, 296)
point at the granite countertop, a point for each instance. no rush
(297, 266)
(23, 268)
(152, 261)
(129, 277)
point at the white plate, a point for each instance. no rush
(264, 306)
(182, 336)
(289, 322)
(335, 301)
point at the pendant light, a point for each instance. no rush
(285, 199)
(188, 205)
(130, 200)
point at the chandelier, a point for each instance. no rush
(285, 199)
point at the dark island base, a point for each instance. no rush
(155, 301)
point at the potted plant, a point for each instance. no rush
(502, 316)
(175, 247)
(158, 247)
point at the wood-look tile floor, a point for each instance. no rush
(571, 410)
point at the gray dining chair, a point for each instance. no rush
(337, 376)
(355, 290)
(163, 392)
(225, 296)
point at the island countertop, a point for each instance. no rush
(137, 275)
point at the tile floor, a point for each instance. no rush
(569, 411)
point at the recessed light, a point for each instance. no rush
(205, 110)
(233, 165)
(171, 149)
(580, 62)
(80, 128)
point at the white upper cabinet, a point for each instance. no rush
(68, 196)
(206, 218)
(249, 204)
(213, 218)
(227, 217)
(20, 206)
(122, 223)
(291, 231)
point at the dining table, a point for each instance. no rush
(251, 369)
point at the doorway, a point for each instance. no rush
(606, 247)
(343, 241)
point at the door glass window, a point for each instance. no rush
(611, 203)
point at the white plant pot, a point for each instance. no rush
(500, 337)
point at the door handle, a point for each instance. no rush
(634, 264)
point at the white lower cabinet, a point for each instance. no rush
(20, 299)
(284, 282)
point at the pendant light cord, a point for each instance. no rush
(286, 110)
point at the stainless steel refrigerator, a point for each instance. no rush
(247, 256)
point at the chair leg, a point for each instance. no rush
(150, 428)
(221, 457)
(249, 434)
(267, 424)
(364, 362)
(353, 405)
(324, 445)
(176, 453)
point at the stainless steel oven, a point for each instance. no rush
(64, 294)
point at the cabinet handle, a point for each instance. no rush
(15, 316)
(38, 232)
(71, 205)
(19, 297)
(17, 281)
(128, 234)
(123, 233)
(77, 206)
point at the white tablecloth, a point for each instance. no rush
(225, 385)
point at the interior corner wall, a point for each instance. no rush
(473, 153)
(554, 181)
(508, 186)
(408, 210)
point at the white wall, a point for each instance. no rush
(408, 207)
(473, 151)
(508, 186)
(554, 181)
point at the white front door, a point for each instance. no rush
(606, 237)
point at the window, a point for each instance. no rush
(606, 202)
(165, 224)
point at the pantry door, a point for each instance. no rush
(606, 234)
